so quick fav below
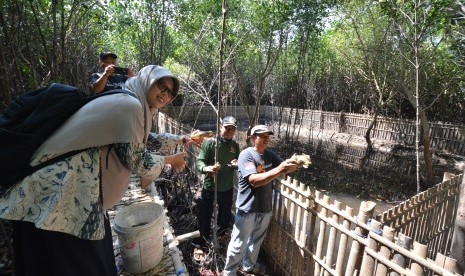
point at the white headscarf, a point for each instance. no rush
(109, 119)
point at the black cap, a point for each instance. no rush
(229, 121)
(105, 54)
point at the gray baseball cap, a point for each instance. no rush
(229, 121)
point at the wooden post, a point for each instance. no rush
(388, 233)
(366, 211)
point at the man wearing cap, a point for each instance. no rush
(257, 168)
(228, 152)
(106, 78)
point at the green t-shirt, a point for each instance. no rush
(227, 151)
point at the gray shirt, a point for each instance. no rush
(250, 199)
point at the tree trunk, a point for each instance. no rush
(427, 149)
(369, 149)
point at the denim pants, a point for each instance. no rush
(247, 236)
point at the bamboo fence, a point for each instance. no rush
(429, 216)
(310, 235)
(302, 123)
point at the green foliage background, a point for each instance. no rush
(349, 56)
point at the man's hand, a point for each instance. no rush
(213, 169)
(109, 70)
(233, 164)
(288, 166)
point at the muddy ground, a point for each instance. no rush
(326, 175)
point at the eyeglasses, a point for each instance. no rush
(165, 90)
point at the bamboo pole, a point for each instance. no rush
(365, 212)
(385, 251)
(321, 234)
(187, 236)
(292, 229)
(332, 238)
(310, 229)
(450, 265)
(280, 221)
(341, 252)
(399, 259)
(298, 221)
(284, 225)
(368, 262)
(421, 251)
(440, 260)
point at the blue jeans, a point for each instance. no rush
(247, 236)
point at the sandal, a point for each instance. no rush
(206, 272)
(258, 270)
(199, 255)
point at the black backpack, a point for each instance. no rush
(29, 120)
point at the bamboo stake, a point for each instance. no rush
(298, 221)
(451, 265)
(388, 233)
(440, 260)
(187, 236)
(286, 214)
(399, 259)
(332, 237)
(321, 234)
(292, 229)
(419, 250)
(368, 262)
(341, 252)
(365, 212)
(309, 229)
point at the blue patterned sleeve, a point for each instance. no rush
(138, 160)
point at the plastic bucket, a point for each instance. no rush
(139, 228)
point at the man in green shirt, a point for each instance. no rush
(228, 152)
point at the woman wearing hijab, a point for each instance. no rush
(60, 225)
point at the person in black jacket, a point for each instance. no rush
(106, 78)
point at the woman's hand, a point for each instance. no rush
(176, 161)
(186, 139)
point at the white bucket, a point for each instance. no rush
(140, 235)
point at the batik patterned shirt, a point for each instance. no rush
(66, 196)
